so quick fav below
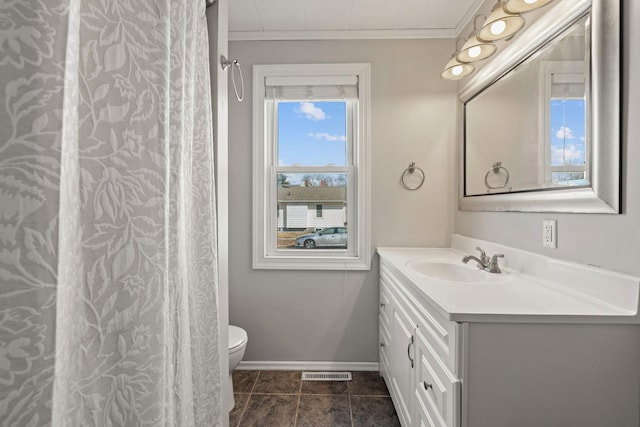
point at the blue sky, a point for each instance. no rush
(311, 133)
(567, 131)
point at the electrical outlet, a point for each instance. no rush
(549, 233)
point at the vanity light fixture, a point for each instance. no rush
(455, 70)
(520, 6)
(476, 49)
(500, 24)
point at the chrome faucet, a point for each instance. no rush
(484, 262)
(476, 259)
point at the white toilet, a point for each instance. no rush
(237, 345)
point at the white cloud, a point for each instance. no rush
(310, 111)
(327, 136)
(564, 133)
(570, 154)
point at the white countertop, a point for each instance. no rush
(518, 296)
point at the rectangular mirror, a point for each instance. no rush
(540, 128)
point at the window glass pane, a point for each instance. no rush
(568, 178)
(301, 197)
(312, 133)
(568, 135)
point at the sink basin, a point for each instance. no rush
(452, 272)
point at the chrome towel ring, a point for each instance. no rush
(225, 63)
(496, 168)
(410, 170)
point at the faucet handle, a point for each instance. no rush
(483, 256)
(493, 266)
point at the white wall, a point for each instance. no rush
(608, 241)
(332, 316)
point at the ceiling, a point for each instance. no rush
(357, 19)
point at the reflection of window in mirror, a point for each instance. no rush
(563, 112)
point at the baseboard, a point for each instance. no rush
(309, 366)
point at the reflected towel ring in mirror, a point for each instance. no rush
(410, 171)
(496, 168)
(225, 63)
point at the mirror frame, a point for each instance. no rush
(603, 196)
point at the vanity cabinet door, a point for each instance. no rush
(437, 389)
(443, 336)
(384, 346)
(402, 361)
(384, 325)
(385, 304)
(423, 416)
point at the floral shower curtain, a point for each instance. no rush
(108, 293)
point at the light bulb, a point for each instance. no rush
(474, 51)
(522, 6)
(457, 70)
(498, 27)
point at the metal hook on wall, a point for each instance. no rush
(225, 63)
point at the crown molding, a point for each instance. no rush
(466, 20)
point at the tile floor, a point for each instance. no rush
(281, 398)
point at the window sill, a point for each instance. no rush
(281, 262)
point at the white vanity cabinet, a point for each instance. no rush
(418, 357)
(503, 370)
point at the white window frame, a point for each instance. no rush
(266, 254)
(547, 70)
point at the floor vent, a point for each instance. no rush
(326, 376)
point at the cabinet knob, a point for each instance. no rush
(427, 386)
